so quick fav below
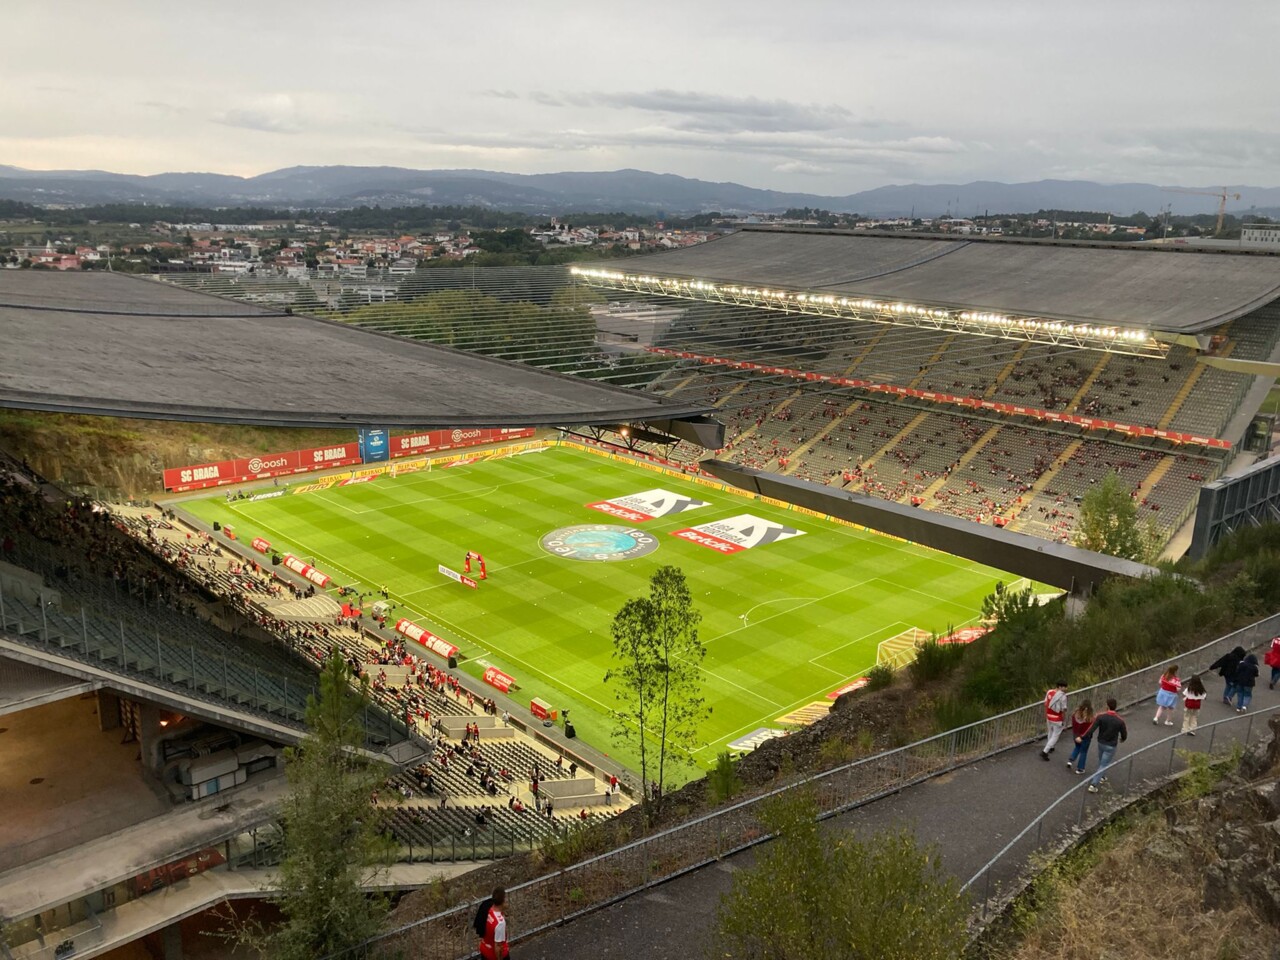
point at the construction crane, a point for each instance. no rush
(1223, 196)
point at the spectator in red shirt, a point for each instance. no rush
(493, 945)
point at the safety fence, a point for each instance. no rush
(552, 899)
(1129, 777)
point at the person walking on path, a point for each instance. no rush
(1081, 721)
(1167, 695)
(1112, 731)
(493, 941)
(1226, 667)
(1193, 694)
(1245, 677)
(1272, 660)
(1055, 712)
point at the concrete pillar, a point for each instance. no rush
(108, 711)
(171, 939)
(149, 732)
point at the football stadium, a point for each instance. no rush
(795, 606)
(846, 441)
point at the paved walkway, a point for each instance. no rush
(970, 813)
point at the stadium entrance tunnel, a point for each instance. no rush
(1070, 568)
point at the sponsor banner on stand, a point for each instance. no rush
(318, 458)
(737, 533)
(965, 635)
(374, 444)
(496, 678)
(757, 737)
(198, 476)
(455, 575)
(647, 505)
(810, 713)
(407, 444)
(849, 687)
(262, 546)
(442, 648)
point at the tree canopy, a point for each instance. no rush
(1109, 523)
(658, 679)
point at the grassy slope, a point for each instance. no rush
(817, 604)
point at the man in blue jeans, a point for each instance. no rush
(1111, 731)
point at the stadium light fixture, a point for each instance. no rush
(1090, 336)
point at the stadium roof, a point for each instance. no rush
(1168, 289)
(126, 346)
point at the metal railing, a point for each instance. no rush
(1120, 771)
(552, 899)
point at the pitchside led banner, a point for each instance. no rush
(374, 445)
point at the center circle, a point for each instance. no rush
(599, 542)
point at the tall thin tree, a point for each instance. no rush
(659, 655)
(332, 844)
(679, 654)
(636, 678)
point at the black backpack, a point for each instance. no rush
(482, 917)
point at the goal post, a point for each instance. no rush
(900, 650)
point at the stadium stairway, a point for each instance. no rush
(773, 414)
(929, 364)
(897, 438)
(866, 351)
(1089, 381)
(968, 455)
(1043, 482)
(798, 454)
(1148, 483)
(1008, 369)
(1187, 387)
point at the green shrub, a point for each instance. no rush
(952, 712)
(722, 779)
(879, 677)
(934, 661)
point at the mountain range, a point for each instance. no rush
(632, 191)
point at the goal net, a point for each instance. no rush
(900, 650)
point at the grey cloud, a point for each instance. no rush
(544, 98)
(500, 94)
(710, 112)
(802, 167)
(274, 113)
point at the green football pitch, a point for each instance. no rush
(793, 606)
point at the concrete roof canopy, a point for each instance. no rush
(1166, 289)
(126, 346)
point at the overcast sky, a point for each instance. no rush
(825, 97)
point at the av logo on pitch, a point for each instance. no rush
(737, 533)
(600, 542)
(647, 505)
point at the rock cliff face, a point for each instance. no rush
(1241, 818)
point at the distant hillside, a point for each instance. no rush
(632, 191)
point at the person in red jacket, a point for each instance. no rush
(1081, 721)
(1272, 660)
(1167, 695)
(493, 945)
(1055, 712)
